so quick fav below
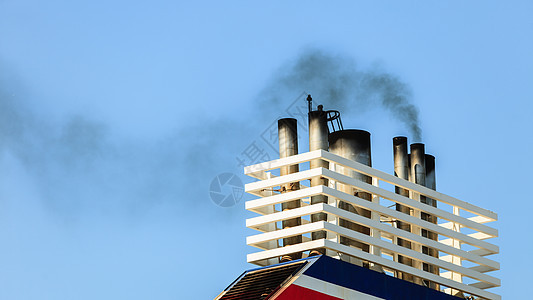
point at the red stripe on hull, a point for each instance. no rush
(296, 292)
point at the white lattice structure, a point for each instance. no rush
(463, 247)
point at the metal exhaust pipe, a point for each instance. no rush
(432, 184)
(318, 139)
(401, 170)
(417, 174)
(430, 175)
(353, 145)
(288, 146)
(418, 164)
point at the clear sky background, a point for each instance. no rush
(116, 115)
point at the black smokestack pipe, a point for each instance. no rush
(432, 184)
(288, 146)
(401, 170)
(318, 139)
(354, 145)
(417, 174)
(418, 164)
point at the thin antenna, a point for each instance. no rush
(310, 102)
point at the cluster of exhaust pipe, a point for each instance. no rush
(415, 166)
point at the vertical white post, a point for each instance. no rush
(272, 226)
(375, 232)
(456, 259)
(375, 216)
(416, 230)
(332, 219)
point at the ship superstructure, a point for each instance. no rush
(329, 203)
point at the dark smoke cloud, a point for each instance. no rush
(80, 163)
(338, 83)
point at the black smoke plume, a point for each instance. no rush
(339, 83)
(81, 163)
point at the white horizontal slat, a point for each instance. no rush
(280, 162)
(477, 252)
(477, 219)
(256, 187)
(480, 269)
(284, 215)
(254, 205)
(283, 233)
(264, 255)
(476, 235)
(481, 285)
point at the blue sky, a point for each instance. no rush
(115, 117)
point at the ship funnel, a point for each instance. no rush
(354, 145)
(288, 146)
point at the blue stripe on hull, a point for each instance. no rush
(370, 282)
